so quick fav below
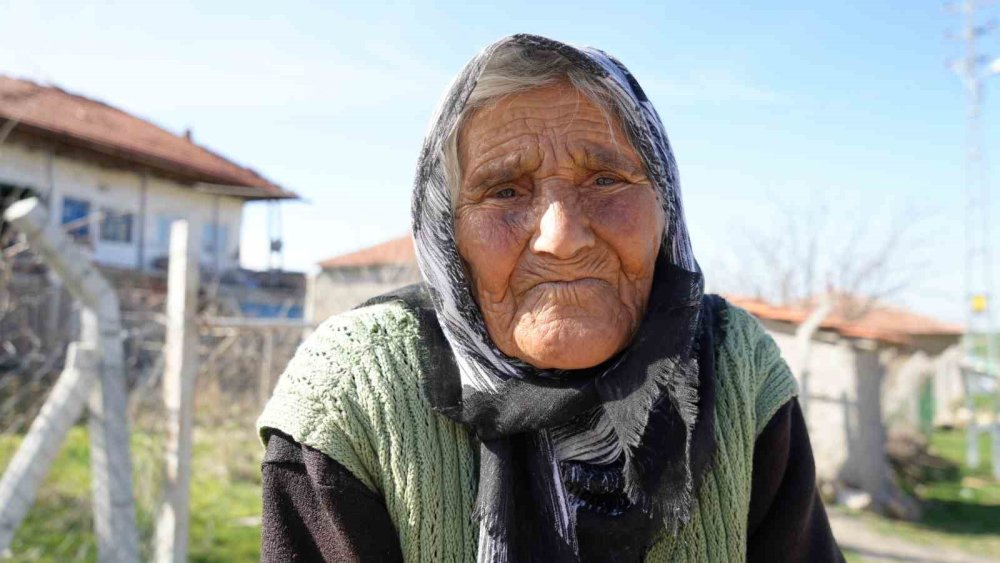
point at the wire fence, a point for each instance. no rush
(239, 361)
(238, 366)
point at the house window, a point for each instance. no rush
(75, 215)
(116, 226)
(214, 237)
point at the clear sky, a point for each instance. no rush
(769, 105)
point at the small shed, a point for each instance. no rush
(347, 280)
(872, 370)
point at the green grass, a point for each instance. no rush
(59, 524)
(950, 444)
(961, 506)
(984, 402)
(225, 499)
(225, 496)
(852, 556)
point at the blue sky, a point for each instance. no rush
(782, 105)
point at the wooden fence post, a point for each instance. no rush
(180, 369)
(264, 383)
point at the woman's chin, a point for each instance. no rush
(568, 347)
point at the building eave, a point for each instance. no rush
(261, 190)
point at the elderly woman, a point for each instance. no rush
(559, 388)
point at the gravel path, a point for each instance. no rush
(853, 534)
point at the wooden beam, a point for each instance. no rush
(257, 323)
(180, 369)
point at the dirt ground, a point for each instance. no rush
(855, 536)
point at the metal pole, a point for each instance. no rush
(140, 226)
(111, 464)
(979, 337)
(33, 458)
(972, 428)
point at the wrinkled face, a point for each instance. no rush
(558, 225)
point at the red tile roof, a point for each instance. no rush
(394, 252)
(881, 322)
(51, 112)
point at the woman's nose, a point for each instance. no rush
(563, 230)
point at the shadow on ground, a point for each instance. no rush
(955, 516)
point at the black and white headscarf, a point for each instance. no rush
(611, 442)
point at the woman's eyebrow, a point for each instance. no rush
(598, 157)
(506, 168)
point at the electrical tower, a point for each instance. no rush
(979, 345)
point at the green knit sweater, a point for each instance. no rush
(352, 391)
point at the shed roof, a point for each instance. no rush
(398, 251)
(53, 113)
(880, 322)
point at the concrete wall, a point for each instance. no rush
(858, 390)
(949, 389)
(336, 290)
(902, 389)
(55, 177)
(832, 406)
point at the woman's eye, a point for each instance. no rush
(606, 181)
(505, 193)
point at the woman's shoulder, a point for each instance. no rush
(370, 342)
(354, 392)
(741, 328)
(353, 343)
(744, 337)
(352, 364)
(365, 325)
(749, 354)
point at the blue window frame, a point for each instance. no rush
(75, 211)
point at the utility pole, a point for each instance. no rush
(978, 344)
(276, 246)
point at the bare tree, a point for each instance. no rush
(859, 256)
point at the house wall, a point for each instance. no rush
(55, 177)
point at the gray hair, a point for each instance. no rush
(514, 68)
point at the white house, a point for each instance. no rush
(117, 181)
